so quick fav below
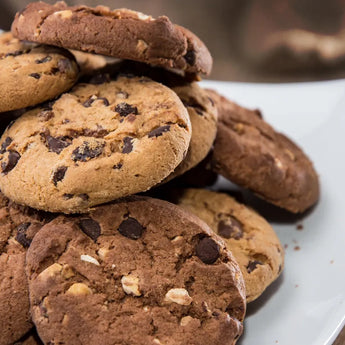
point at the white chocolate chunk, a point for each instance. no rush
(50, 271)
(64, 14)
(79, 289)
(130, 285)
(179, 296)
(89, 259)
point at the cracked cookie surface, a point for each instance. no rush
(250, 153)
(248, 236)
(31, 73)
(94, 144)
(121, 33)
(137, 271)
(18, 225)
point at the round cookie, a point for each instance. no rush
(250, 153)
(31, 73)
(18, 225)
(120, 33)
(247, 235)
(138, 271)
(94, 144)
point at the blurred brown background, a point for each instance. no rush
(250, 40)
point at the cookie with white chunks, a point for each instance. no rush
(31, 73)
(247, 235)
(137, 271)
(18, 225)
(94, 144)
(250, 153)
(120, 33)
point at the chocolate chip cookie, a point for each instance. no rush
(137, 271)
(94, 144)
(18, 225)
(120, 33)
(31, 73)
(250, 153)
(247, 235)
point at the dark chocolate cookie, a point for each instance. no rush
(249, 152)
(120, 33)
(138, 271)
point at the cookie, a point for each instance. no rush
(31, 73)
(18, 225)
(31, 338)
(250, 153)
(120, 33)
(138, 271)
(93, 145)
(247, 235)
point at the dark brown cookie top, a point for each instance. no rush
(121, 33)
(249, 152)
(137, 271)
(18, 225)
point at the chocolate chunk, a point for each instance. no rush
(192, 102)
(159, 131)
(207, 251)
(45, 115)
(127, 145)
(252, 265)
(21, 235)
(83, 196)
(89, 102)
(48, 105)
(12, 160)
(230, 229)
(59, 174)
(43, 60)
(5, 144)
(64, 65)
(15, 53)
(117, 166)
(125, 109)
(56, 144)
(131, 228)
(90, 227)
(67, 196)
(35, 75)
(87, 151)
(190, 57)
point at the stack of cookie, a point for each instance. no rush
(82, 259)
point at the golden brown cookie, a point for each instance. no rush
(247, 235)
(31, 73)
(94, 144)
(138, 271)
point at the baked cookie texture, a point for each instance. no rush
(18, 225)
(94, 144)
(250, 153)
(31, 73)
(31, 338)
(137, 271)
(247, 235)
(120, 33)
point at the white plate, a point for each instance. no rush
(306, 305)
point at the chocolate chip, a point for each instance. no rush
(117, 166)
(15, 53)
(127, 145)
(5, 144)
(125, 109)
(56, 144)
(231, 228)
(21, 235)
(89, 102)
(90, 227)
(87, 151)
(59, 174)
(12, 160)
(100, 79)
(159, 131)
(83, 196)
(48, 105)
(207, 251)
(258, 113)
(64, 65)
(190, 57)
(211, 100)
(45, 115)
(192, 102)
(35, 75)
(131, 228)
(252, 265)
(43, 60)
(67, 196)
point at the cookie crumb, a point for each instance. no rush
(299, 226)
(331, 262)
(296, 248)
